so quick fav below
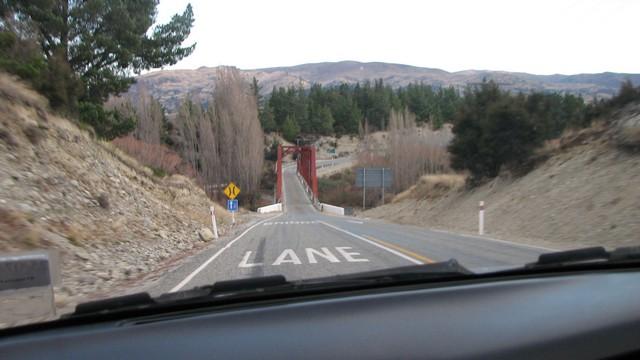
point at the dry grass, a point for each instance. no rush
(16, 228)
(630, 137)
(155, 156)
(14, 90)
(34, 133)
(126, 159)
(432, 186)
(571, 138)
(76, 234)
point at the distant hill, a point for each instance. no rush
(170, 86)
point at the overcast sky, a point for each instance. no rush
(540, 36)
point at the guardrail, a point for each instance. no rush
(308, 191)
(330, 209)
(270, 208)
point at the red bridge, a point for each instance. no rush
(305, 166)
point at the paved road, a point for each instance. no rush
(303, 243)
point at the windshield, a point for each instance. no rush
(155, 147)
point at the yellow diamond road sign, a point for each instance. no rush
(231, 191)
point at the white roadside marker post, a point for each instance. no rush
(481, 219)
(213, 221)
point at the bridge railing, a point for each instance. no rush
(305, 167)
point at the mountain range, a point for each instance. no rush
(171, 86)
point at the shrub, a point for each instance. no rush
(108, 125)
(339, 189)
(492, 131)
(271, 152)
(103, 201)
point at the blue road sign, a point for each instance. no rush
(232, 205)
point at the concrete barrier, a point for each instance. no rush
(270, 208)
(330, 209)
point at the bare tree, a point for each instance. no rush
(413, 152)
(240, 136)
(147, 111)
(210, 169)
(150, 117)
(224, 142)
(188, 117)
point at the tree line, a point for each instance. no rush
(345, 108)
(495, 130)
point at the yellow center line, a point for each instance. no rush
(412, 254)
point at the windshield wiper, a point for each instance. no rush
(439, 270)
(596, 254)
(278, 284)
(144, 300)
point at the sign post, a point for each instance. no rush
(373, 178)
(232, 206)
(232, 191)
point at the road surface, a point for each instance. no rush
(302, 243)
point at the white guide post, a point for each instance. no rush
(481, 218)
(213, 221)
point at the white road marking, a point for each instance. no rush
(245, 261)
(355, 221)
(374, 243)
(325, 253)
(350, 255)
(214, 256)
(287, 256)
(289, 223)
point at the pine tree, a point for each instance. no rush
(290, 129)
(100, 43)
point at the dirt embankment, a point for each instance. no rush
(110, 218)
(587, 192)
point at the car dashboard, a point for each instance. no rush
(572, 315)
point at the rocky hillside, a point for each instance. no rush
(111, 219)
(170, 86)
(586, 192)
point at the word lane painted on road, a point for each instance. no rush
(309, 256)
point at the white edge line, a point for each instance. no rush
(214, 256)
(374, 243)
